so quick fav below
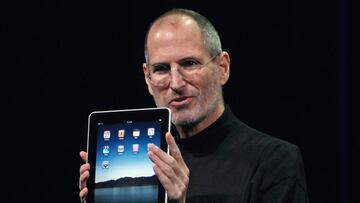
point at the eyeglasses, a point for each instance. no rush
(160, 74)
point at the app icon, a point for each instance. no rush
(105, 164)
(151, 132)
(136, 133)
(121, 134)
(135, 148)
(121, 149)
(106, 150)
(106, 134)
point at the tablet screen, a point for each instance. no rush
(121, 170)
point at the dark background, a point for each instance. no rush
(292, 76)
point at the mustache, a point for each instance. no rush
(177, 96)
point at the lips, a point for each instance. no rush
(180, 101)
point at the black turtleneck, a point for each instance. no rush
(231, 162)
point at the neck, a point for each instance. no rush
(191, 130)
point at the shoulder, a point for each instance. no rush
(274, 161)
(265, 144)
(281, 157)
(276, 148)
(270, 153)
(279, 161)
(272, 150)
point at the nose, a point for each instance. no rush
(176, 79)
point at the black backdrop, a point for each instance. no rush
(290, 77)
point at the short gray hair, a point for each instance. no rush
(211, 37)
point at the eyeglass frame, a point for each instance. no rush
(184, 78)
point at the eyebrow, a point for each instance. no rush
(188, 58)
(178, 61)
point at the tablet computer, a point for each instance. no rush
(117, 146)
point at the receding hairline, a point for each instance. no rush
(175, 17)
(172, 19)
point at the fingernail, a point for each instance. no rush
(149, 145)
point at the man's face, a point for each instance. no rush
(190, 100)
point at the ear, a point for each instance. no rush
(145, 69)
(224, 66)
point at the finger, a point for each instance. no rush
(173, 173)
(83, 178)
(84, 156)
(84, 175)
(165, 161)
(84, 167)
(166, 168)
(83, 193)
(175, 151)
(174, 191)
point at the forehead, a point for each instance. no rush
(174, 37)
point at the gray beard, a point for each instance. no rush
(197, 117)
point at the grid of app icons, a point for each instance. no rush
(122, 136)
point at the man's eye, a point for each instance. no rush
(160, 68)
(188, 63)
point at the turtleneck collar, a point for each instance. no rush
(208, 140)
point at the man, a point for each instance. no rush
(214, 157)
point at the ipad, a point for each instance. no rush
(121, 171)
